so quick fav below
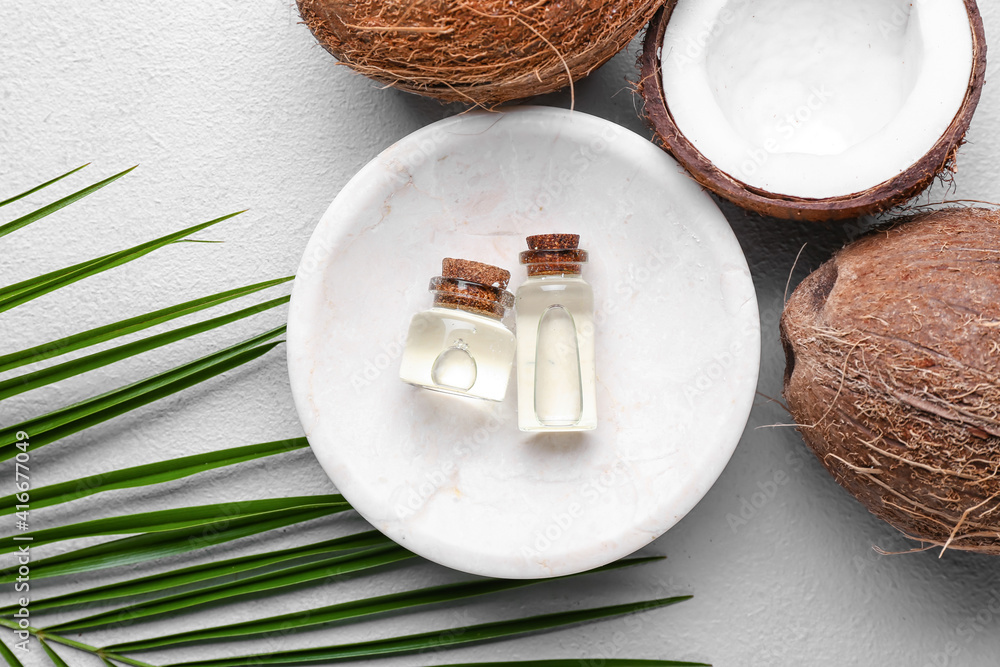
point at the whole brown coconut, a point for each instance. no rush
(482, 52)
(893, 374)
(904, 187)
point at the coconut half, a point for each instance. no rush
(813, 109)
(482, 52)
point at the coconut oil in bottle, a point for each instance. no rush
(460, 345)
(556, 378)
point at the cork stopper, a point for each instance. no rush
(473, 287)
(554, 241)
(474, 272)
(553, 254)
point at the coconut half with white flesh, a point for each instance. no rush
(811, 109)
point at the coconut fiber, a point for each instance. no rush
(482, 52)
(893, 374)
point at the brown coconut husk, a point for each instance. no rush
(893, 374)
(482, 52)
(939, 159)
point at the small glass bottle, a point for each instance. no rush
(556, 379)
(460, 346)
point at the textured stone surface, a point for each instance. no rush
(233, 105)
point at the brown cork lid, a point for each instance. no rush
(551, 254)
(474, 272)
(473, 287)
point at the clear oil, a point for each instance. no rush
(458, 352)
(556, 380)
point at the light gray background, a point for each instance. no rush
(229, 105)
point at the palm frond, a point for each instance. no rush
(49, 209)
(285, 577)
(72, 643)
(53, 656)
(29, 381)
(31, 191)
(32, 288)
(101, 334)
(604, 662)
(56, 425)
(151, 473)
(331, 614)
(175, 579)
(172, 519)
(8, 655)
(435, 640)
(151, 546)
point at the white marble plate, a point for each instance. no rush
(678, 343)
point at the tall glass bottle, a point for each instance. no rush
(460, 346)
(556, 379)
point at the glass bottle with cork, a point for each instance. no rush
(460, 345)
(554, 307)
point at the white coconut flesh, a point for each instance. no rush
(815, 98)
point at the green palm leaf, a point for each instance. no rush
(356, 609)
(26, 290)
(172, 519)
(66, 641)
(9, 656)
(29, 381)
(166, 581)
(150, 546)
(131, 325)
(53, 656)
(604, 662)
(55, 425)
(435, 640)
(56, 205)
(319, 570)
(152, 473)
(46, 184)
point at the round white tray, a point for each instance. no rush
(678, 343)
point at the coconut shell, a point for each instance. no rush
(893, 374)
(482, 52)
(898, 190)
